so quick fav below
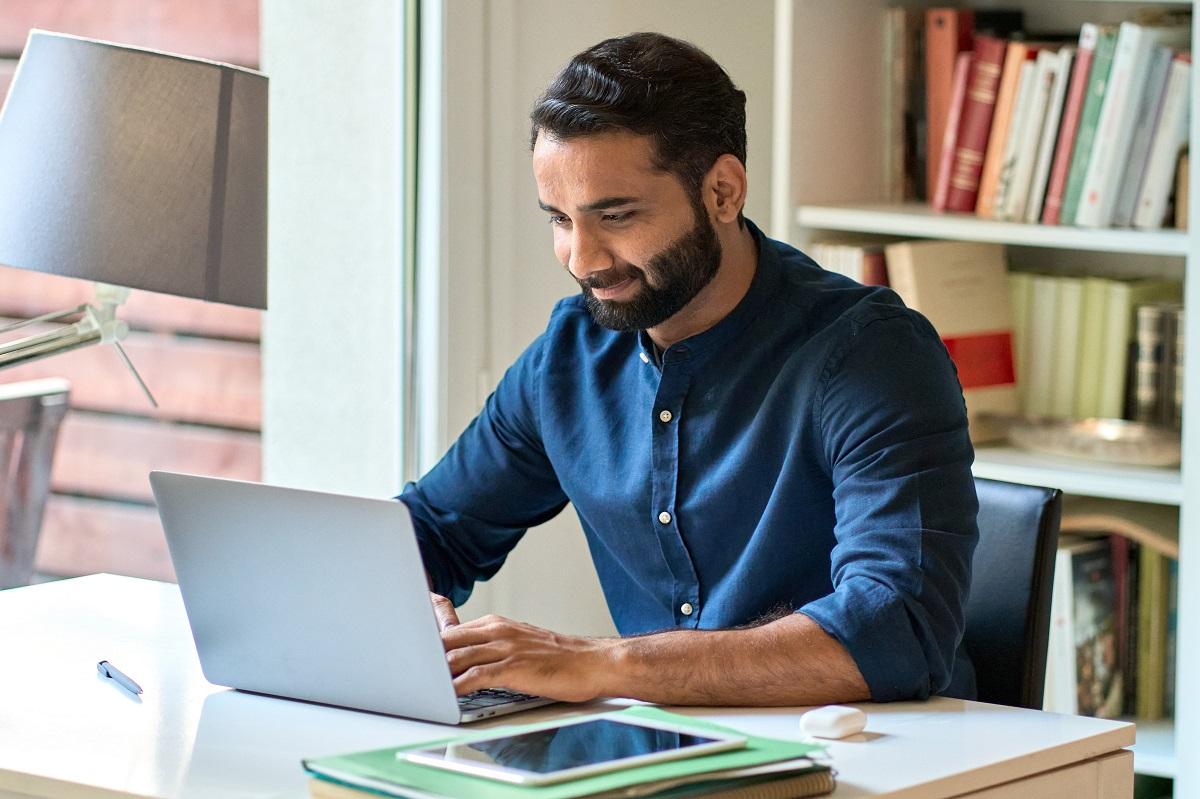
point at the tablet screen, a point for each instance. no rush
(570, 746)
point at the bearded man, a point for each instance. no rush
(770, 462)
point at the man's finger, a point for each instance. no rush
(470, 634)
(465, 657)
(443, 608)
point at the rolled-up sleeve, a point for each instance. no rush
(894, 429)
(472, 508)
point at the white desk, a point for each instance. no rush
(65, 731)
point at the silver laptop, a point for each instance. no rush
(312, 596)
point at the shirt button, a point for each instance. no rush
(665, 416)
(664, 517)
(645, 358)
(686, 608)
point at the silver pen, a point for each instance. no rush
(107, 669)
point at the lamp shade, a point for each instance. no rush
(136, 168)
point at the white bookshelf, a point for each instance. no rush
(828, 175)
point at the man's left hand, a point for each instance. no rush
(495, 652)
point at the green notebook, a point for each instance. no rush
(1102, 58)
(381, 771)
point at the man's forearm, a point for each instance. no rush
(790, 661)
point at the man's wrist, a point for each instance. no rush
(610, 667)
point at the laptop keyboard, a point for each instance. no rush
(490, 697)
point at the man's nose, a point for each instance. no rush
(588, 254)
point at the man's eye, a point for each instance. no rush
(618, 218)
(559, 220)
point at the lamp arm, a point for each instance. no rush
(98, 325)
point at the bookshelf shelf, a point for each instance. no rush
(1154, 752)
(920, 221)
(1084, 478)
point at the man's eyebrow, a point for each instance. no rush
(599, 205)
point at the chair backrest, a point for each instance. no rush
(1008, 613)
(30, 414)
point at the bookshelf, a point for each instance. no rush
(828, 167)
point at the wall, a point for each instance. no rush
(333, 338)
(502, 55)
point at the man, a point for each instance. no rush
(769, 461)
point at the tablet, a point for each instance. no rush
(573, 749)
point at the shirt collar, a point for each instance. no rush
(767, 276)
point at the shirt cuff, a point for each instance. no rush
(874, 625)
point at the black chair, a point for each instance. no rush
(1008, 613)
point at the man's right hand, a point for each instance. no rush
(444, 610)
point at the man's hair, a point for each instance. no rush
(651, 85)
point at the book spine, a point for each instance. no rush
(1006, 95)
(1147, 363)
(1169, 653)
(1148, 113)
(1066, 342)
(1051, 213)
(874, 267)
(948, 32)
(1013, 143)
(1081, 156)
(1091, 365)
(976, 122)
(1176, 417)
(1170, 136)
(1029, 135)
(1165, 413)
(962, 66)
(1049, 135)
(1181, 192)
(895, 96)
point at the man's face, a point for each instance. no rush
(639, 246)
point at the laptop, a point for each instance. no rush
(312, 596)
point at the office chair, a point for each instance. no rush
(30, 414)
(1008, 612)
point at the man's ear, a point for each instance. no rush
(724, 188)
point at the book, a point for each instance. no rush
(1176, 363)
(1152, 633)
(1118, 112)
(978, 106)
(1168, 412)
(962, 289)
(1147, 363)
(1012, 143)
(1123, 298)
(1091, 348)
(962, 67)
(1020, 288)
(1181, 192)
(1072, 110)
(1061, 694)
(813, 782)
(904, 101)
(1143, 130)
(1168, 140)
(1067, 324)
(382, 771)
(948, 32)
(861, 261)
(1006, 95)
(1043, 315)
(1099, 687)
(1089, 115)
(1171, 644)
(1029, 137)
(1048, 138)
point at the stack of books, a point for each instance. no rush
(765, 768)
(1112, 627)
(1024, 128)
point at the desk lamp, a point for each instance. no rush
(134, 169)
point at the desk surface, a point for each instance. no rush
(62, 726)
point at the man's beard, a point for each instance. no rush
(681, 271)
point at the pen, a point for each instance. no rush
(107, 669)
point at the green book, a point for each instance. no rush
(381, 771)
(1067, 325)
(1020, 287)
(1106, 46)
(1091, 348)
(1152, 633)
(1043, 321)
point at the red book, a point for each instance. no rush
(946, 161)
(976, 123)
(1072, 110)
(948, 32)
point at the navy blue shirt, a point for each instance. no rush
(807, 453)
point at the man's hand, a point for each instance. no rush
(495, 652)
(443, 608)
